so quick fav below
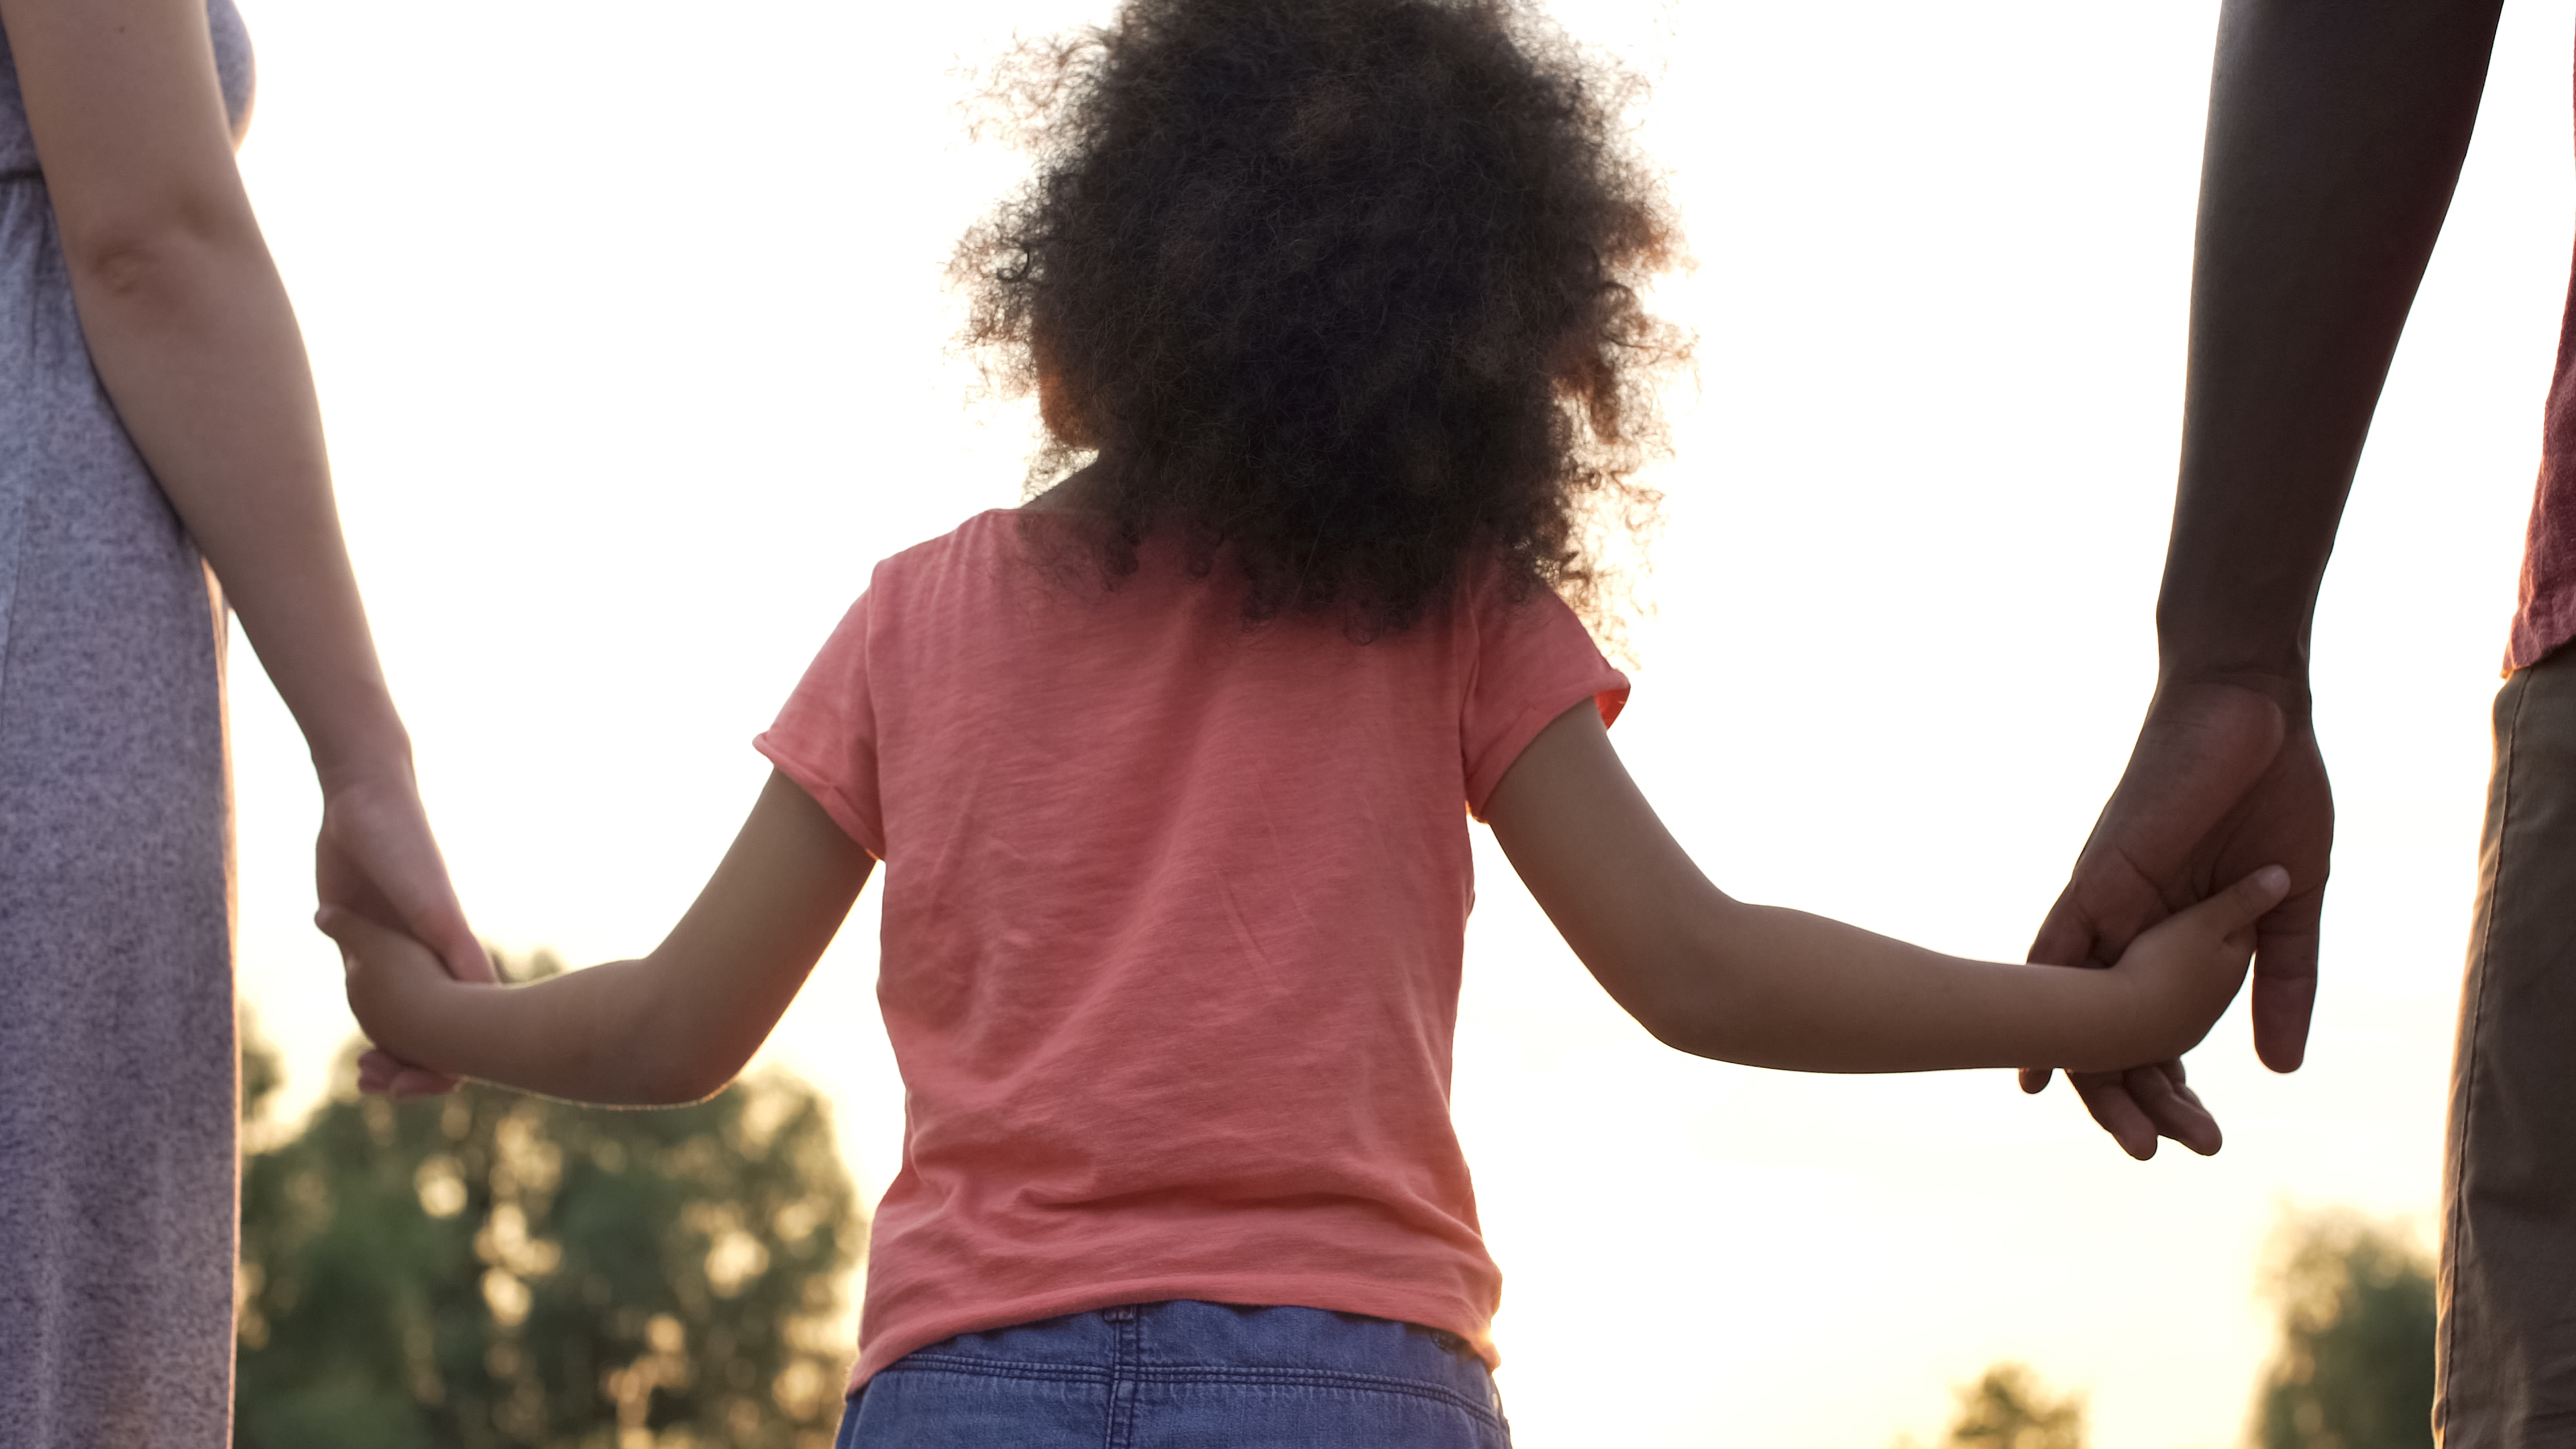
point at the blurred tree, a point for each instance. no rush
(2355, 1366)
(2009, 1408)
(491, 1269)
(261, 1071)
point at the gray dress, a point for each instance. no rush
(117, 1068)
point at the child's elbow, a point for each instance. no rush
(1675, 984)
(1696, 1027)
(1686, 1009)
(682, 1080)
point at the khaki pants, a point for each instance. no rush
(2507, 1345)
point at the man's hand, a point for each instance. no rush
(2225, 779)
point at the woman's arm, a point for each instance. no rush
(672, 1027)
(189, 326)
(1779, 988)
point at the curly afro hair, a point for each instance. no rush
(1340, 290)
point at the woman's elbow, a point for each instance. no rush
(162, 257)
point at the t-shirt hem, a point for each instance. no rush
(2540, 629)
(1375, 1299)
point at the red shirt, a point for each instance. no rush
(1174, 911)
(2546, 617)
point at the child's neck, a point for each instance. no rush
(1072, 494)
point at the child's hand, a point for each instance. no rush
(2187, 968)
(376, 856)
(393, 982)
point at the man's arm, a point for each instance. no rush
(2336, 132)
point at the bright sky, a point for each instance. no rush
(633, 351)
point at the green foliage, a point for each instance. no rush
(491, 1269)
(261, 1071)
(2355, 1367)
(2009, 1408)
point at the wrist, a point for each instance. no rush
(2285, 684)
(2108, 1024)
(2272, 661)
(365, 745)
(435, 1014)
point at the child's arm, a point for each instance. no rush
(1779, 988)
(672, 1027)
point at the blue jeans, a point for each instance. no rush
(1185, 1375)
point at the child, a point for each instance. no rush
(1166, 766)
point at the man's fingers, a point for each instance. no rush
(2066, 937)
(2144, 1103)
(2106, 1096)
(2285, 980)
(2175, 1109)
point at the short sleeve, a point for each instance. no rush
(825, 738)
(1533, 660)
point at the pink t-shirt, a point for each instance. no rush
(1173, 916)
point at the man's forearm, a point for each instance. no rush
(2336, 132)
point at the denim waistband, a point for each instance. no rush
(1189, 1342)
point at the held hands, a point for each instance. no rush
(2182, 972)
(2224, 779)
(376, 860)
(393, 982)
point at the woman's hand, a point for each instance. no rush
(672, 1027)
(377, 860)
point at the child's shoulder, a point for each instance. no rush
(974, 542)
(977, 533)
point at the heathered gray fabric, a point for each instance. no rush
(117, 1077)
